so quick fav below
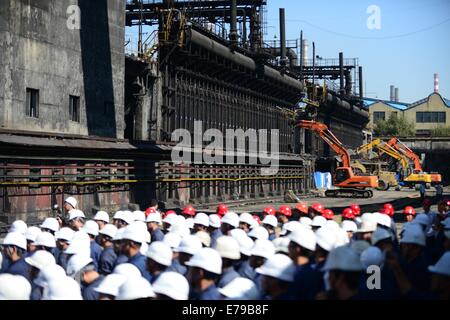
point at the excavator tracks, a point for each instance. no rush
(349, 193)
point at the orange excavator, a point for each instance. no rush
(418, 176)
(349, 184)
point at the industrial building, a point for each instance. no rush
(80, 117)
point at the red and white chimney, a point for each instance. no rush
(436, 83)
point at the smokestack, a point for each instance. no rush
(361, 93)
(392, 95)
(396, 95)
(283, 37)
(305, 52)
(436, 83)
(233, 23)
(341, 71)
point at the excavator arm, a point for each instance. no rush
(384, 148)
(323, 131)
(401, 147)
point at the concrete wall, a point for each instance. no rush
(434, 103)
(39, 51)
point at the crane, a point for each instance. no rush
(349, 184)
(384, 148)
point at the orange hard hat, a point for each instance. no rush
(348, 213)
(285, 210)
(302, 207)
(189, 210)
(318, 207)
(356, 209)
(328, 214)
(270, 210)
(409, 211)
(388, 209)
(221, 209)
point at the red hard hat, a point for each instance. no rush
(257, 219)
(427, 202)
(356, 209)
(270, 210)
(169, 213)
(285, 210)
(318, 207)
(189, 210)
(388, 209)
(221, 209)
(150, 210)
(409, 211)
(348, 213)
(328, 214)
(302, 207)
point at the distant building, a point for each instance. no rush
(426, 114)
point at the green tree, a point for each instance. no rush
(440, 131)
(394, 126)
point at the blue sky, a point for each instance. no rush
(412, 44)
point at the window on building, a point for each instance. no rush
(74, 108)
(395, 114)
(430, 117)
(378, 116)
(32, 103)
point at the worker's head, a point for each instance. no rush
(413, 241)
(440, 279)
(70, 203)
(443, 206)
(426, 204)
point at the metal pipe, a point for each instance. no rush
(361, 92)
(396, 95)
(301, 54)
(341, 73)
(233, 23)
(282, 37)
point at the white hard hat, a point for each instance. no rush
(318, 221)
(341, 238)
(201, 219)
(91, 227)
(359, 246)
(270, 220)
(128, 270)
(207, 259)
(367, 226)
(172, 239)
(173, 285)
(144, 248)
(101, 216)
(380, 234)
(372, 256)
(343, 258)
(304, 237)
(189, 223)
(170, 219)
(134, 232)
(383, 219)
(160, 252)
(18, 226)
(247, 218)
(51, 224)
(263, 248)
(63, 289)
(72, 201)
(231, 218)
(111, 283)
(190, 245)
(119, 234)
(32, 233)
(204, 237)
(278, 266)
(326, 238)
(245, 242)
(135, 288)
(331, 224)
(40, 259)
(214, 221)
(259, 233)
(109, 230)
(75, 213)
(306, 221)
(414, 235)
(14, 287)
(349, 226)
(241, 289)
(180, 228)
(64, 234)
(76, 263)
(422, 219)
(128, 216)
(290, 226)
(442, 266)
(47, 274)
(281, 244)
(154, 217)
(80, 244)
(15, 239)
(139, 215)
(228, 247)
(118, 215)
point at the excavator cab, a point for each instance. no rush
(342, 174)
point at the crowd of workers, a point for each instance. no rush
(299, 253)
